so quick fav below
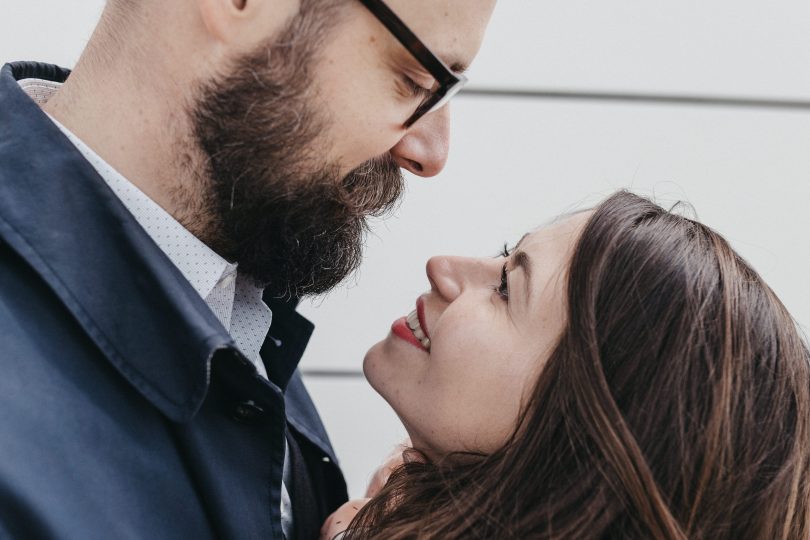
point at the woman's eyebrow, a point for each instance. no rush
(521, 259)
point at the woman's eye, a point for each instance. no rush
(503, 288)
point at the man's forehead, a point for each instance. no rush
(452, 29)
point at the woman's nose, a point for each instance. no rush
(450, 276)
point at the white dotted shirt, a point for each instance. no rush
(233, 297)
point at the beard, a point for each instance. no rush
(267, 198)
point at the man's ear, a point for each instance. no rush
(244, 24)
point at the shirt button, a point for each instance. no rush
(247, 412)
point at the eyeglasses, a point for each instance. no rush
(449, 83)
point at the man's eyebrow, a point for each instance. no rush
(453, 61)
(458, 67)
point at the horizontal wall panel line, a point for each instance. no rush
(333, 373)
(634, 98)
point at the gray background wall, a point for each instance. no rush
(707, 102)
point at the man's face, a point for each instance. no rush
(363, 80)
(303, 137)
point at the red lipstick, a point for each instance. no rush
(401, 330)
(420, 312)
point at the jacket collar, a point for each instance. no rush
(61, 217)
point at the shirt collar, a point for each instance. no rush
(200, 265)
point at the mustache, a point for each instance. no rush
(374, 189)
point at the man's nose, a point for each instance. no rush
(450, 276)
(423, 150)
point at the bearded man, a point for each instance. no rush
(162, 208)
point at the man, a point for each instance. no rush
(206, 164)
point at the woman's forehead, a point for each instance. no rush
(563, 231)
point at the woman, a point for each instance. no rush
(621, 374)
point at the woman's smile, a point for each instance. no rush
(413, 324)
(413, 328)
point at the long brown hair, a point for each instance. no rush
(675, 405)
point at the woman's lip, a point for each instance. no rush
(420, 312)
(401, 330)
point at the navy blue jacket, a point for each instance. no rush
(126, 410)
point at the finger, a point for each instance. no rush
(383, 472)
(340, 519)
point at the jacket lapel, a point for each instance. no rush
(60, 216)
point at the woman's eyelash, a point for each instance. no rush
(503, 288)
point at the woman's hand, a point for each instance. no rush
(380, 476)
(339, 521)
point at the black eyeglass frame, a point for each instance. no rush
(449, 82)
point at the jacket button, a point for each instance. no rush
(247, 412)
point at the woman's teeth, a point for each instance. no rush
(413, 324)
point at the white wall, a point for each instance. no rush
(515, 163)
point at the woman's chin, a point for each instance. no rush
(378, 373)
(371, 366)
(378, 365)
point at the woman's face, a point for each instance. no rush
(459, 380)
